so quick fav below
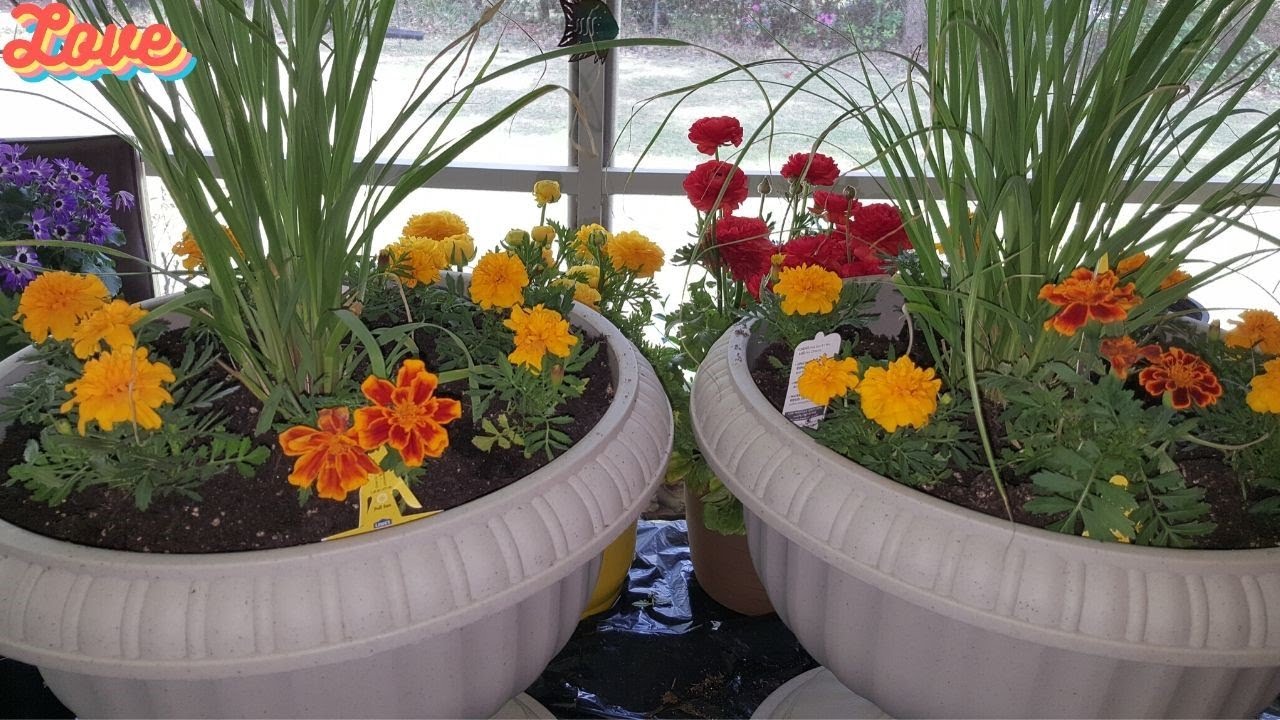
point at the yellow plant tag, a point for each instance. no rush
(378, 506)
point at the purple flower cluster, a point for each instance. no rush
(57, 200)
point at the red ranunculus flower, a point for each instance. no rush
(743, 244)
(860, 259)
(822, 170)
(880, 226)
(710, 133)
(704, 184)
(824, 250)
(833, 207)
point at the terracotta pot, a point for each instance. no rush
(722, 564)
(446, 617)
(928, 609)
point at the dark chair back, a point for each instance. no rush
(113, 155)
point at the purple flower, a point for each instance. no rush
(60, 231)
(827, 18)
(40, 224)
(8, 151)
(16, 272)
(124, 200)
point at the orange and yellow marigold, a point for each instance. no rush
(407, 415)
(1182, 378)
(111, 323)
(1085, 296)
(330, 455)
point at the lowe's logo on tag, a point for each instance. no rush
(62, 48)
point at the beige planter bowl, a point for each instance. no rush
(447, 617)
(931, 610)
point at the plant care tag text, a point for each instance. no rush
(63, 48)
(795, 408)
(378, 506)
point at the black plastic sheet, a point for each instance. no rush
(665, 649)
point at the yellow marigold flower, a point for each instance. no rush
(417, 260)
(515, 237)
(589, 274)
(499, 280)
(119, 386)
(112, 323)
(1264, 389)
(544, 234)
(583, 236)
(1255, 328)
(546, 192)
(54, 302)
(807, 289)
(538, 331)
(582, 292)
(632, 251)
(192, 256)
(189, 252)
(1119, 481)
(899, 395)
(1173, 278)
(1131, 264)
(459, 249)
(436, 225)
(827, 378)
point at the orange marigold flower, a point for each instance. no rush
(582, 238)
(1173, 278)
(192, 256)
(538, 331)
(435, 225)
(899, 395)
(827, 378)
(1130, 264)
(1182, 378)
(1084, 296)
(111, 323)
(1124, 352)
(582, 292)
(120, 386)
(407, 416)
(54, 303)
(1255, 328)
(417, 260)
(330, 456)
(1264, 389)
(499, 280)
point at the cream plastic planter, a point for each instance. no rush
(447, 617)
(928, 609)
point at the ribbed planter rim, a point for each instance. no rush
(630, 381)
(736, 346)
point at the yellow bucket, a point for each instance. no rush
(614, 564)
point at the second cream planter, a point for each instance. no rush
(931, 610)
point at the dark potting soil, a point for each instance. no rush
(264, 512)
(1236, 527)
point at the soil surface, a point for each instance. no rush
(236, 513)
(974, 489)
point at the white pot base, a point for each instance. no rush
(523, 707)
(817, 694)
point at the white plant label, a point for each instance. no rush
(795, 408)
